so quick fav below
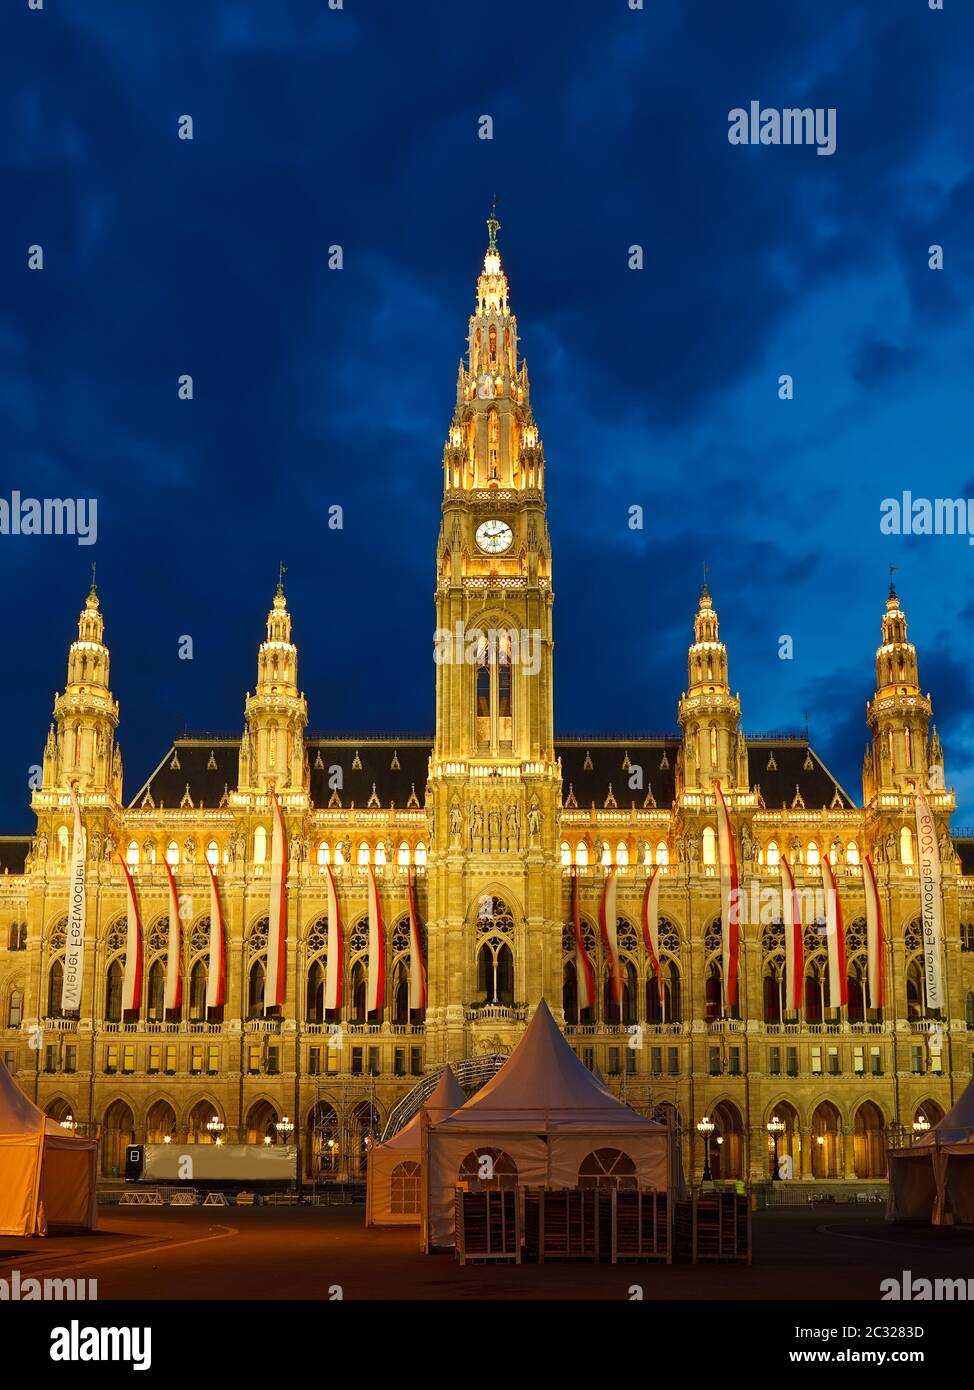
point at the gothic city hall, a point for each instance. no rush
(278, 938)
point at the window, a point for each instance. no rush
(314, 1061)
(172, 854)
(967, 936)
(816, 1061)
(709, 845)
(212, 854)
(260, 845)
(812, 855)
(416, 1061)
(399, 1062)
(774, 1061)
(356, 1061)
(656, 1061)
(50, 1058)
(673, 1061)
(916, 1060)
(363, 853)
(834, 1065)
(875, 1061)
(404, 855)
(374, 1061)
(772, 856)
(128, 1058)
(155, 1059)
(273, 1061)
(253, 1058)
(613, 1061)
(213, 1059)
(324, 853)
(566, 854)
(420, 857)
(734, 1061)
(662, 853)
(852, 853)
(405, 1188)
(713, 1061)
(380, 853)
(196, 1060)
(581, 855)
(132, 855)
(71, 1057)
(906, 845)
(792, 1061)
(622, 855)
(169, 1059)
(15, 1008)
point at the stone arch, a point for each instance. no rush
(826, 1136)
(869, 1140)
(198, 1114)
(727, 1158)
(117, 1132)
(160, 1121)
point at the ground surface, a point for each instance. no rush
(299, 1253)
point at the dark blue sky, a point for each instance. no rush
(312, 386)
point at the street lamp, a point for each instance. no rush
(920, 1126)
(776, 1128)
(68, 1121)
(706, 1127)
(285, 1128)
(215, 1128)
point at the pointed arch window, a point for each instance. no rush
(260, 845)
(62, 844)
(363, 853)
(709, 845)
(622, 854)
(420, 857)
(714, 757)
(132, 855)
(324, 854)
(566, 854)
(773, 855)
(15, 1008)
(581, 855)
(213, 854)
(852, 853)
(404, 855)
(908, 736)
(811, 854)
(380, 853)
(662, 853)
(494, 692)
(906, 845)
(172, 854)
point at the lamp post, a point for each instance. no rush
(706, 1127)
(215, 1128)
(68, 1121)
(920, 1126)
(776, 1128)
(285, 1128)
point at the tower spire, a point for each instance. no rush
(493, 226)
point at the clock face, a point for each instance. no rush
(494, 537)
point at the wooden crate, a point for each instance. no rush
(641, 1226)
(564, 1223)
(488, 1224)
(713, 1226)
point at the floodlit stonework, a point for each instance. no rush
(492, 815)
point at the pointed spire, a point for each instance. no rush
(892, 586)
(705, 592)
(92, 592)
(493, 226)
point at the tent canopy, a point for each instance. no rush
(47, 1174)
(957, 1126)
(392, 1186)
(444, 1099)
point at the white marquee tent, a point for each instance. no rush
(47, 1174)
(393, 1183)
(934, 1178)
(544, 1121)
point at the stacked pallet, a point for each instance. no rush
(713, 1226)
(563, 1223)
(640, 1226)
(487, 1224)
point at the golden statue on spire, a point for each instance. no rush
(493, 226)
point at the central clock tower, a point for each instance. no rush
(494, 790)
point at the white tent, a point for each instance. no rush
(47, 1174)
(392, 1192)
(934, 1178)
(542, 1121)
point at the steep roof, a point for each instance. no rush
(957, 1126)
(446, 1098)
(543, 1087)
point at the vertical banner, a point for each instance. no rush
(417, 965)
(730, 906)
(584, 973)
(835, 938)
(931, 913)
(335, 962)
(875, 944)
(74, 951)
(277, 917)
(216, 974)
(608, 919)
(174, 948)
(651, 926)
(375, 989)
(132, 979)
(791, 916)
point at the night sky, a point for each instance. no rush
(312, 386)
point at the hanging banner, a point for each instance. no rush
(74, 950)
(375, 988)
(216, 974)
(931, 911)
(835, 938)
(417, 966)
(791, 916)
(584, 973)
(277, 917)
(875, 944)
(651, 926)
(173, 1000)
(132, 978)
(608, 921)
(730, 905)
(335, 960)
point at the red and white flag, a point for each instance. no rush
(335, 958)
(132, 979)
(277, 921)
(651, 926)
(584, 972)
(875, 945)
(608, 919)
(74, 949)
(791, 915)
(174, 949)
(729, 900)
(376, 984)
(417, 965)
(835, 938)
(216, 975)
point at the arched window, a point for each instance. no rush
(487, 1167)
(505, 710)
(260, 845)
(15, 1008)
(55, 985)
(662, 853)
(363, 853)
(607, 1168)
(906, 845)
(566, 854)
(156, 992)
(714, 757)
(62, 844)
(483, 693)
(132, 855)
(324, 853)
(172, 854)
(197, 990)
(773, 855)
(852, 853)
(113, 992)
(213, 854)
(622, 854)
(420, 857)
(812, 856)
(380, 853)
(404, 855)
(581, 855)
(908, 735)
(495, 953)
(709, 845)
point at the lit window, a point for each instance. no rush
(709, 845)
(420, 859)
(380, 853)
(662, 853)
(811, 856)
(404, 855)
(622, 854)
(339, 856)
(172, 854)
(566, 853)
(324, 853)
(363, 853)
(906, 845)
(132, 855)
(852, 853)
(213, 854)
(581, 855)
(62, 844)
(260, 845)
(772, 853)
(606, 855)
